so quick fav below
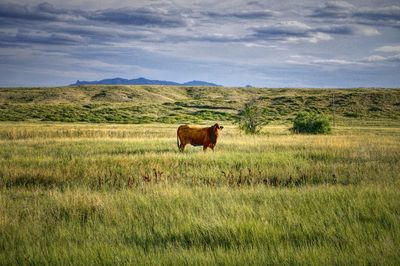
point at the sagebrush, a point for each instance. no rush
(311, 122)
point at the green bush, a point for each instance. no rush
(251, 118)
(311, 122)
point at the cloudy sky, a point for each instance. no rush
(297, 43)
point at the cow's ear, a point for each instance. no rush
(221, 127)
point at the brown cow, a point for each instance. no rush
(196, 136)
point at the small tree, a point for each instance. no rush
(311, 122)
(251, 118)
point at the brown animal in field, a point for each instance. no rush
(196, 136)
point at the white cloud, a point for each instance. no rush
(319, 36)
(389, 49)
(252, 45)
(290, 32)
(374, 58)
(335, 62)
(381, 59)
(193, 38)
(367, 31)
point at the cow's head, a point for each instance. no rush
(215, 132)
(218, 127)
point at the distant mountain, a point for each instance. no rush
(199, 83)
(142, 81)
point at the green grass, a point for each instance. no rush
(169, 104)
(179, 225)
(84, 155)
(122, 194)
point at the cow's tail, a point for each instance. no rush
(177, 141)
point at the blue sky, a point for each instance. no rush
(233, 43)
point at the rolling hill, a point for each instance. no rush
(186, 104)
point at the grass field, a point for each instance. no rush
(171, 105)
(122, 194)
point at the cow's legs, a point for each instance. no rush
(182, 147)
(212, 146)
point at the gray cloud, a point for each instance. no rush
(341, 10)
(379, 14)
(16, 11)
(145, 16)
(348, 29)
(41, 12)
(286, 31)
(255, 3)
(295, 30)
(179, 38)
(290, 31)
(245, 14)
(334, 9)
(98, 35)
(283, 30)
(52, 38)
(337, 29)
(44, 24)
(211, 38)
(40, 37)
(155, 24)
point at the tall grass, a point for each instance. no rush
(114, 157)
(124, 194)
(180, 225)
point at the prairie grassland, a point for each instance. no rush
(123, 194)
(172, 104)
(113, 156)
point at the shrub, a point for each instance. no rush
(251, 118)
(311, 122)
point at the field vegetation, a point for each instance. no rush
(160, 104)
(104, 194)
(112, 193)
(311, 122)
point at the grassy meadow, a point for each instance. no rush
(92, 193)
(172, 105)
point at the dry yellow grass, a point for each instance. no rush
(124, 194)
